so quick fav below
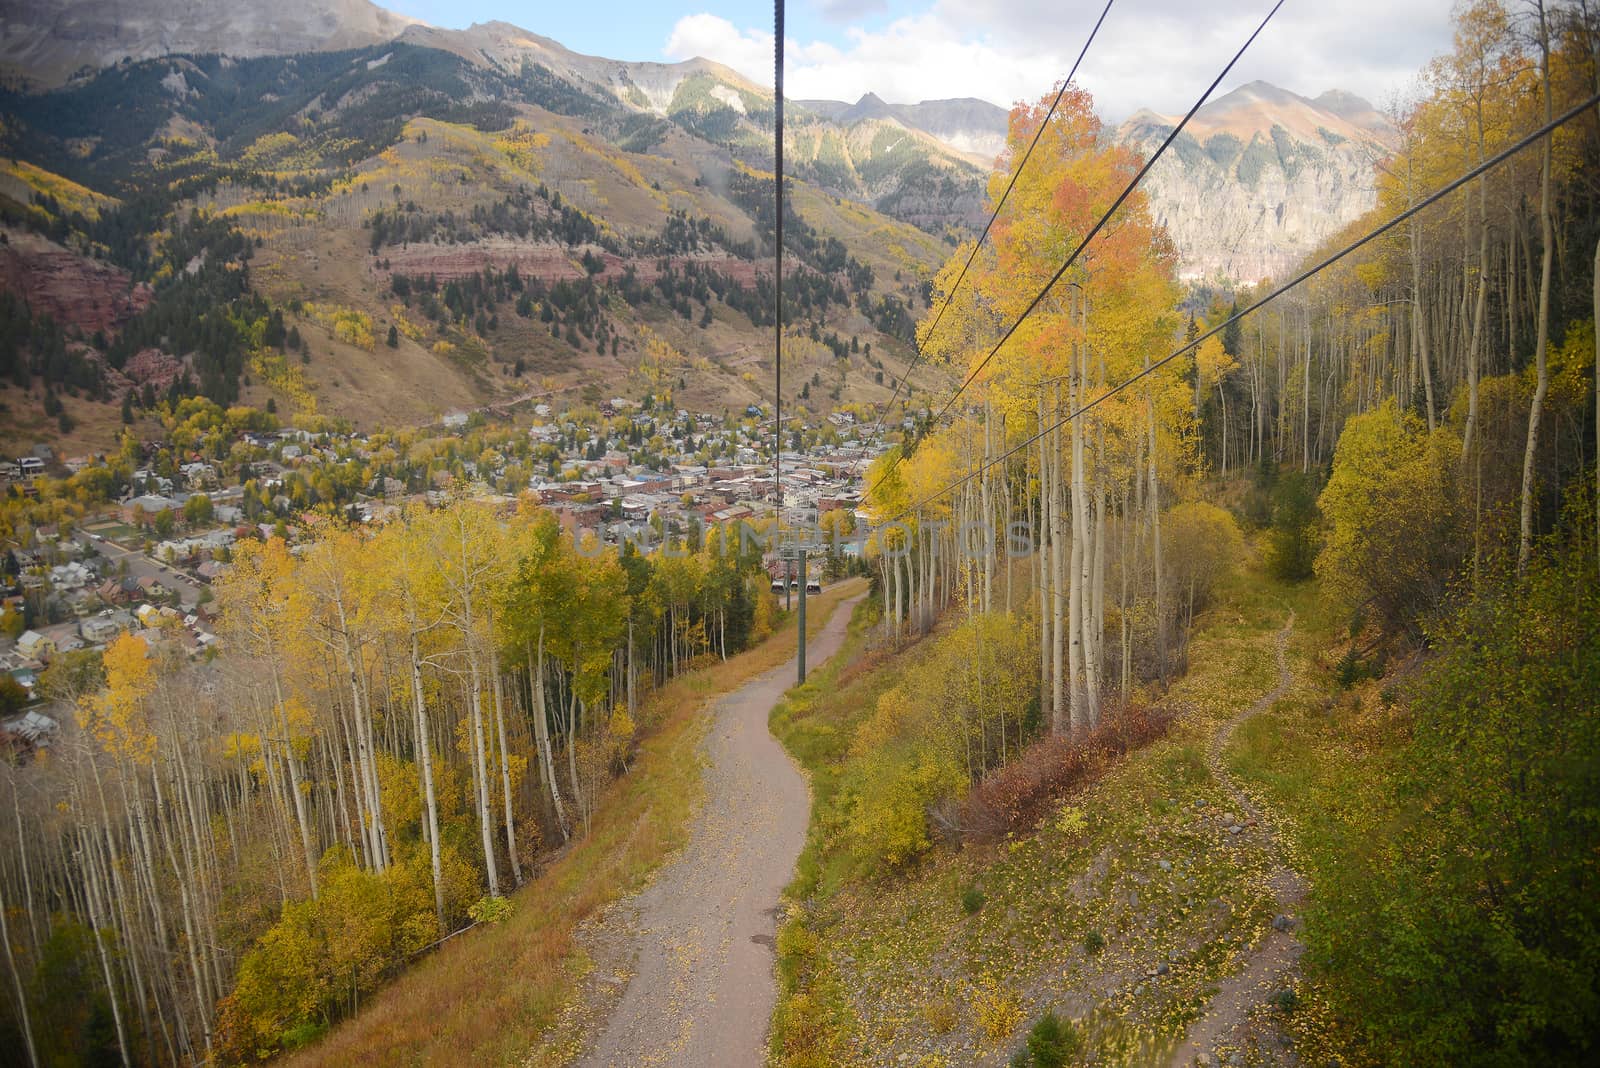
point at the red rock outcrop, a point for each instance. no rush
(544, 261)
(75, 290)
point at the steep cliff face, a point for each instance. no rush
(1260, 177)
(973, 127)
(47, 41)
(79, 293)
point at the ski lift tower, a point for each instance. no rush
(794, 554)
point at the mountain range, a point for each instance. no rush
(1260, 177)
(350, 145)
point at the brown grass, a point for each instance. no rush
(1015, 795)
(487, 996)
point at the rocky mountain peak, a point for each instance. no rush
(1261, 176)
(870, 106)
(45, 42)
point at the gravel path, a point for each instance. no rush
(702, 987)
(1226, 1018)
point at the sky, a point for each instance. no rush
(1159, 54)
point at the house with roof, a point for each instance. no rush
(35, 646)
(146, 507)
(63, 637)
(22, 736)
(103, 627)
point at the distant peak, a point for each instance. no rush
(1266, 91)
(870, 106)
(1343, 102)
(1144, 116)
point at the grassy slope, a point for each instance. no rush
(458, 167)
(318, 250)
(880, 966)
(487, 996)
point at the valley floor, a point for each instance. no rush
(1159, 908)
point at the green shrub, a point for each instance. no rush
(1395, 520)
(1053, 1041)
(1292, 542)
(1468, 931)
(1093, 942)
(1350, 669)
(889, 817)
(490, 910)
(971, 900)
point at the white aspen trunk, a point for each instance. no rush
(481, 775)
(345, 729)
(1474, 343)
(1096, 661)
(1305, 404)
(202, 876)
(1154, 503)
(1222, 395)
(419, 709)
(1008, 511)
(1041, 567)
(1126, 565)
(1542, 379)
(541, 733)
(16, 979)
(1085, 714)
(94, 893)
(27, 878)
(341, 828)
(505, 770)
(366, 763)
(913, 574)
(1059, 679)
(294, 775)
(1079, 577)
(988, 514)
(885, 565)
(183, 878)
(1072, 550)
(1419, 316)
(579, 795)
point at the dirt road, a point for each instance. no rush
(702, 986)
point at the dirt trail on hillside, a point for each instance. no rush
(700, 937)
(1226, 1020)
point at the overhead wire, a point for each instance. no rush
(777, 258)
(971, 256)
(1088, 237)
(1372, 235)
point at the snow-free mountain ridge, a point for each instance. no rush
(1259, 177)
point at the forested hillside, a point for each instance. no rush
(1221, 674)
(401, 231)
(1386, 479)
(373, 763)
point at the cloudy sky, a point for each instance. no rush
(1151, 53)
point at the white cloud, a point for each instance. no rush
(1151, 53)
(747, 51)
